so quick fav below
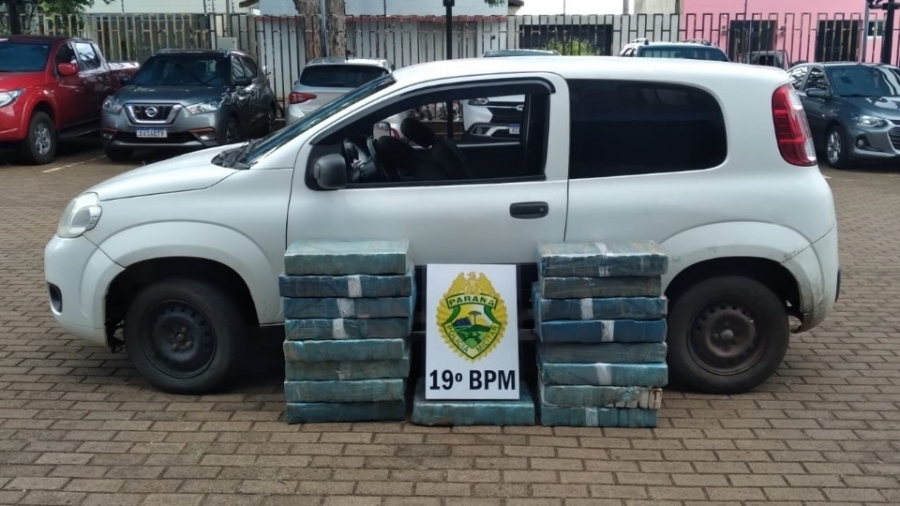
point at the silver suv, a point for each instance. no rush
(191, 99)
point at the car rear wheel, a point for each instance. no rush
(727, 335)
(270, 120)
(836, 148)
(185, 336)
(39, 146)
(232, 131)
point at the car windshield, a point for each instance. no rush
(23, 57)
(340, 76)
(275, 140)
(690, 53)
(865, 81)
(184, 70)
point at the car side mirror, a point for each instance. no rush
(382, 129)
(242, 81)
(330, 172)
(67, 69)
(818, 93)
(124, 79)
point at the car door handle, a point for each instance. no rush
(529, 210)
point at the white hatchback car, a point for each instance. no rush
(714, 162)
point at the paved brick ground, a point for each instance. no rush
(78, 427)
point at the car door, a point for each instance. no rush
(815, 107)
(95, 78)
(491, 220)
(70, 92)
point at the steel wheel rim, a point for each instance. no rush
(231, 132)
(271, 120)
(724, 337)
(42, 139)
(178, 339)
(834, 148)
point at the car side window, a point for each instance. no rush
(237, 69)
(87, 56)
(797, 76)
(500, 133)
(250, 67)
(65, 54)
(817, 80)
(626, 128)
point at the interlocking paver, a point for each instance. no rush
(78, 426)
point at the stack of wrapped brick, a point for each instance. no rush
(600, 320)
(348, 309)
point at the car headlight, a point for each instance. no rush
(112, 105)
(202, 107)
(81, 215)
(479, 101)
(8, 97)
(869, 121)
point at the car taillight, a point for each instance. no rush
(299, 98)
(791, 128)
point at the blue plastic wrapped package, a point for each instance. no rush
(346, 328)
(341, 258)
(353, 350)
(377, 390)
(339, 308)
(585, 288)
(354, 286)
(600, 331)
(473, 412)
(347, 370)
(612, 308)
(334, 412)
(611, 353)
(601, 374)
(551, 416)
(601, 397)
(602, 259)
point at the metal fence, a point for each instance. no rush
(279, 42)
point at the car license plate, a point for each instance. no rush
(514, 129)
(152, 133)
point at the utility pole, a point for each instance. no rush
(323, 26)
(449, 18)
(15, 24)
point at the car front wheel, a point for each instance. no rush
(727, 335)
(185, 336)
(836, 148)
(39, 146)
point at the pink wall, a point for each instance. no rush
(796, 25)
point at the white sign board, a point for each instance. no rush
(472, 332)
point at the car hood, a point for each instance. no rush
(886, 107)
(170, 94)
(192, 171)
(10, 81)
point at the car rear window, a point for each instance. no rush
(623, 128)
(690, 53)
(340, 76)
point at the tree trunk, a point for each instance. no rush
(312, 38)
(336, 23)
(337, 28)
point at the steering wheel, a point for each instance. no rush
(362, 161)
(370, 143)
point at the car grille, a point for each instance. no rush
(505, 115)
(173, 138)
(142, 112)
(894, 133)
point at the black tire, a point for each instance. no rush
(839, 159)
(231, 131)
(119, 155)
(727, 335)
(39, 146)
(271, 120)
(185, 336)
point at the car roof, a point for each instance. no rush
(677, 44)
(518, 52)
(591, 67)
(836, 64)
(202, 52)
(336, 60)
(39, 39)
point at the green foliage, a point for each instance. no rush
(65, 7)
(572, 47)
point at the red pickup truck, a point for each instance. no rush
(53, 88)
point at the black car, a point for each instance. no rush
(853, 109)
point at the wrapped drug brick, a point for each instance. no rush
(354, 350)
(629, 308)
(600, 396)
(602, 374)
(339, 258)
(348, 308)
(602, 259)
(345, 391)
(349, 286)
(347, 370)
(600, 331)
(583, 288)
(612, 353)
(347, 328)
(597, 417)
(473, 412)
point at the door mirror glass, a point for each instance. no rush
(330, 172)
(382, 129)
(242, 81)
(818, 93)
(67, 69)
(124, 79)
